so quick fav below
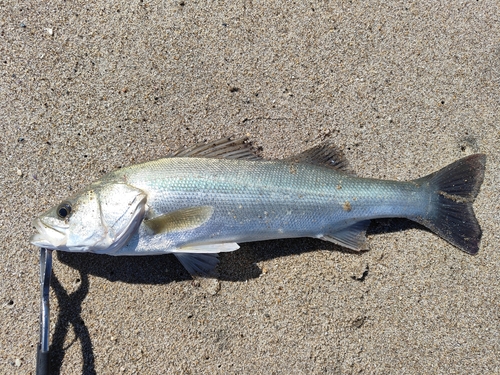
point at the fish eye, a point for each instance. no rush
(64, 210)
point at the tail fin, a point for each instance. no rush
(453, 190)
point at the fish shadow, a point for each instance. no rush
(239, 265)
(163, 269)
(392, 225)
(155, 269)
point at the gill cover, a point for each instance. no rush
(122, 209)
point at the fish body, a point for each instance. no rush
(207, 199)
(261, 200)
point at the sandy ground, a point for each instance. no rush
(404, 89)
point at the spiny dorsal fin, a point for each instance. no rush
(225, 148)
(325, 155)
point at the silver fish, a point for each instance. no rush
(208, 198)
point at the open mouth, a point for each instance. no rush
(47, 236)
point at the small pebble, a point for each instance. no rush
(20, 173)
(210, 285)
(49, 31)
(18, 362)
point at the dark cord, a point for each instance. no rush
(42, 355)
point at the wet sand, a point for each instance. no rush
(403, 89)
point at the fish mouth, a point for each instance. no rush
(48, 235)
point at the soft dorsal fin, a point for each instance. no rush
(325, 155)
(225, 148)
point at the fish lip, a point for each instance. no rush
(38, 240)
(48, 236)
(43, 227)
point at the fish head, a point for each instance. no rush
(99, 219)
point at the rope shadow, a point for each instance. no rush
(70, 309)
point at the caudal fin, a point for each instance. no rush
(453, 190)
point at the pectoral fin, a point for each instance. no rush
(180, 220)
(352, 237)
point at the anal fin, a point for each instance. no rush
(352, 237)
